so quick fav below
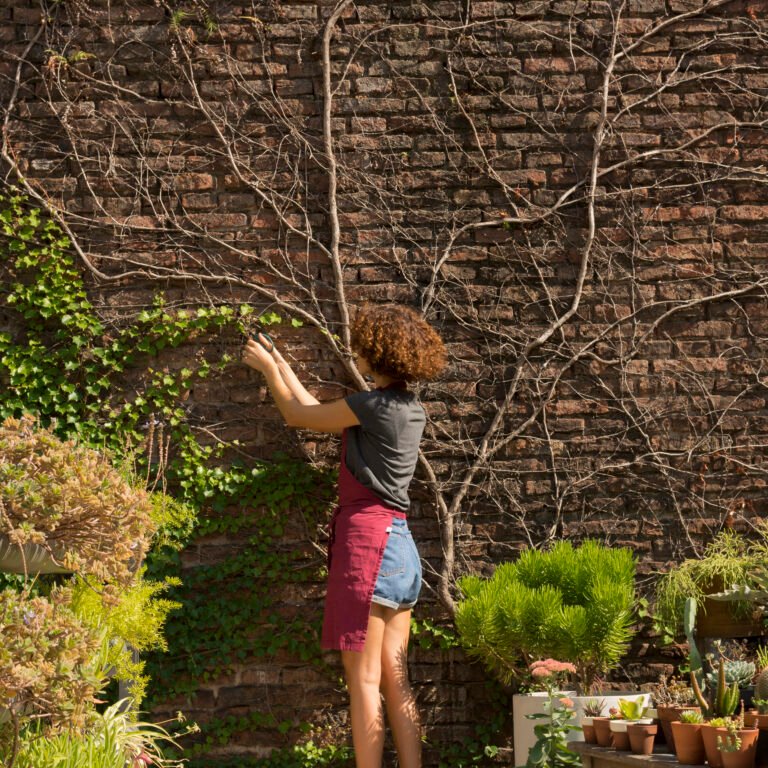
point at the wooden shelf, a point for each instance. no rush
(593, 756)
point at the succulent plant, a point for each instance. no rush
(594, 707)
(632, 710)
(723, 699)
(691, 716)
(739, 672)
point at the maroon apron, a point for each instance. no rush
(358, 535)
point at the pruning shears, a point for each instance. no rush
(263, 339)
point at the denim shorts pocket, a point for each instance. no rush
(393, 562)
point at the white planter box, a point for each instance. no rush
(533, 703)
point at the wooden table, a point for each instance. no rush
(593, 756)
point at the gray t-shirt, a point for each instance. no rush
(382, 452)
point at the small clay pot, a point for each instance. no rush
(689, 747)
(750, 717)
(745, 757)
(709, 734)
(619, 735)
(641, 737)
(588, 730)
(761, 722)
(668, 715)
(602, 726)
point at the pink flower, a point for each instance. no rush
(566, 702)
(552, 667)
(540, 672)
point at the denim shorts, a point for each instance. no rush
(399, 580)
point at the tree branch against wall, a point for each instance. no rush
(574, 195)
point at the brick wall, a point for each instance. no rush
(191, 159)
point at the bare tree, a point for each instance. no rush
(572, 191)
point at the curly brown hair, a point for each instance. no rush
(398, 342)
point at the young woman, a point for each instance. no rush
(374, 573)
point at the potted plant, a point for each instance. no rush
(63, 507)
(641, 730)
(738, 745)
(711, 730)
(618, 728)
(572, 603)
(729, 559)
(689, 747)
(672, 697)
(592, 708)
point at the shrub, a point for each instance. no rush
(570, 603)
(50, 665)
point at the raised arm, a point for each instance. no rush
(321, 417)
(292, 380)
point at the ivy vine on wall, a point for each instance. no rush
(61, 361)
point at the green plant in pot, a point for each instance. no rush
(570, 603)
(729, 559)
(68, 499)
(688, 743)
(592, 709)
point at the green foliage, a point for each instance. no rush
(306, 755)
(575, 604)
(550, 749)
(427, 634)
(135, 620)
(691, 716)
(113, 739)
(232, 610)
(728, 559)
(62, 362)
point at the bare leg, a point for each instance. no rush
(402, 713)
(363, 673)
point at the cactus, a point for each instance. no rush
(739, 672)
(689, 625)
(725, 699)
(761, 685)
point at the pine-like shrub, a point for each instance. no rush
(571, 603)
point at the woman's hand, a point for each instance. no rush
(256, 356)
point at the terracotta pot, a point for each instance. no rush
(641, 737)
(750, 717)
(745, 757)
(689, 747)
(668, 715)
(619, 735)
(761, 721)
(709, 734)
(761, 756)
(602, 726)
(588, 730)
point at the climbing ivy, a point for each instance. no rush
(61, 360)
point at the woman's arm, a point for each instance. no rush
(292, 380)
(321, 417)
